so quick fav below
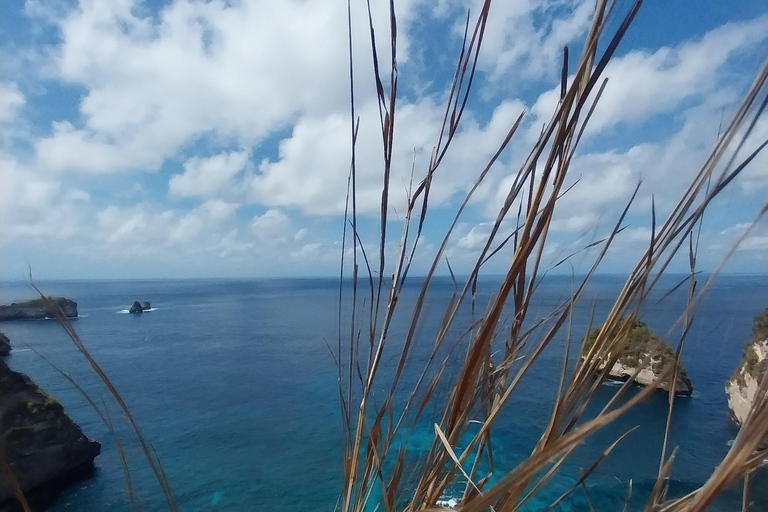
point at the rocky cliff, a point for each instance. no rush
(5, 345)
(745, 380)
(35, 308)
(646, 354)
(41, 444)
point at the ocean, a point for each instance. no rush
(233, 384)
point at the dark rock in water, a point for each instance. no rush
(34, 309)
(43, 446)
(5, 345)
(139, 307)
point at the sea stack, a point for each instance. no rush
(744, 383)
(139, 307)
(44, 448)
(645, 354)
(36, 309)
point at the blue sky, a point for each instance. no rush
(204, 139)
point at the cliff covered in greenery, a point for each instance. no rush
(643, 354)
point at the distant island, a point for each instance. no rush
(36, 309)
(139, 307)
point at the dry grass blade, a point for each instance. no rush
(485, 382)
(104, 417)
(13, 482)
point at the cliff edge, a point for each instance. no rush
(41, 444)
(745, 380)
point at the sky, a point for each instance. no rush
(182, 138)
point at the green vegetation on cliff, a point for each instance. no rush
(751, 364)
(642, 347)
(760, 327)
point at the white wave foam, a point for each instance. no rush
(730, 443)
(20, 350)
(451, 503)
(145, 311)
(612, 383)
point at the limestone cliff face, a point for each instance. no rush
(743, 385)
(41, 444)
(645, 354)
(35, 309)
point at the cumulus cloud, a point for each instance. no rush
(644, 83)
(155, 82)
(528, 36)
(273, 227)
(259, 120)
(11, 100)
(33, 205)
(313, 164)
(206, 177)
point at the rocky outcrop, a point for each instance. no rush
(744, 383)
(35, 309)
(644, 354)
(139, 307)
(42, 445)
(5, 345)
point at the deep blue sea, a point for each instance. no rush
(233, 384)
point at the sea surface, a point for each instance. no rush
(233, 384)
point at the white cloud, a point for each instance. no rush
(196, 79)
(313, 166)
(200, 67)
(11, 101)
(273, 226)
(33, 205)
(642, 84)
(527, 36)
(146, 229)
(206, 177)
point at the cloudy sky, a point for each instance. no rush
(184, 138)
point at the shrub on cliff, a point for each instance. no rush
(643, 346)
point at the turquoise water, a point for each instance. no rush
(232, 382)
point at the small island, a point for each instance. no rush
(644, 354)
(744, 383)
(139, 307)
(36, 309)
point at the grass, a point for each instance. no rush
(376, 407)
(374, 477)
